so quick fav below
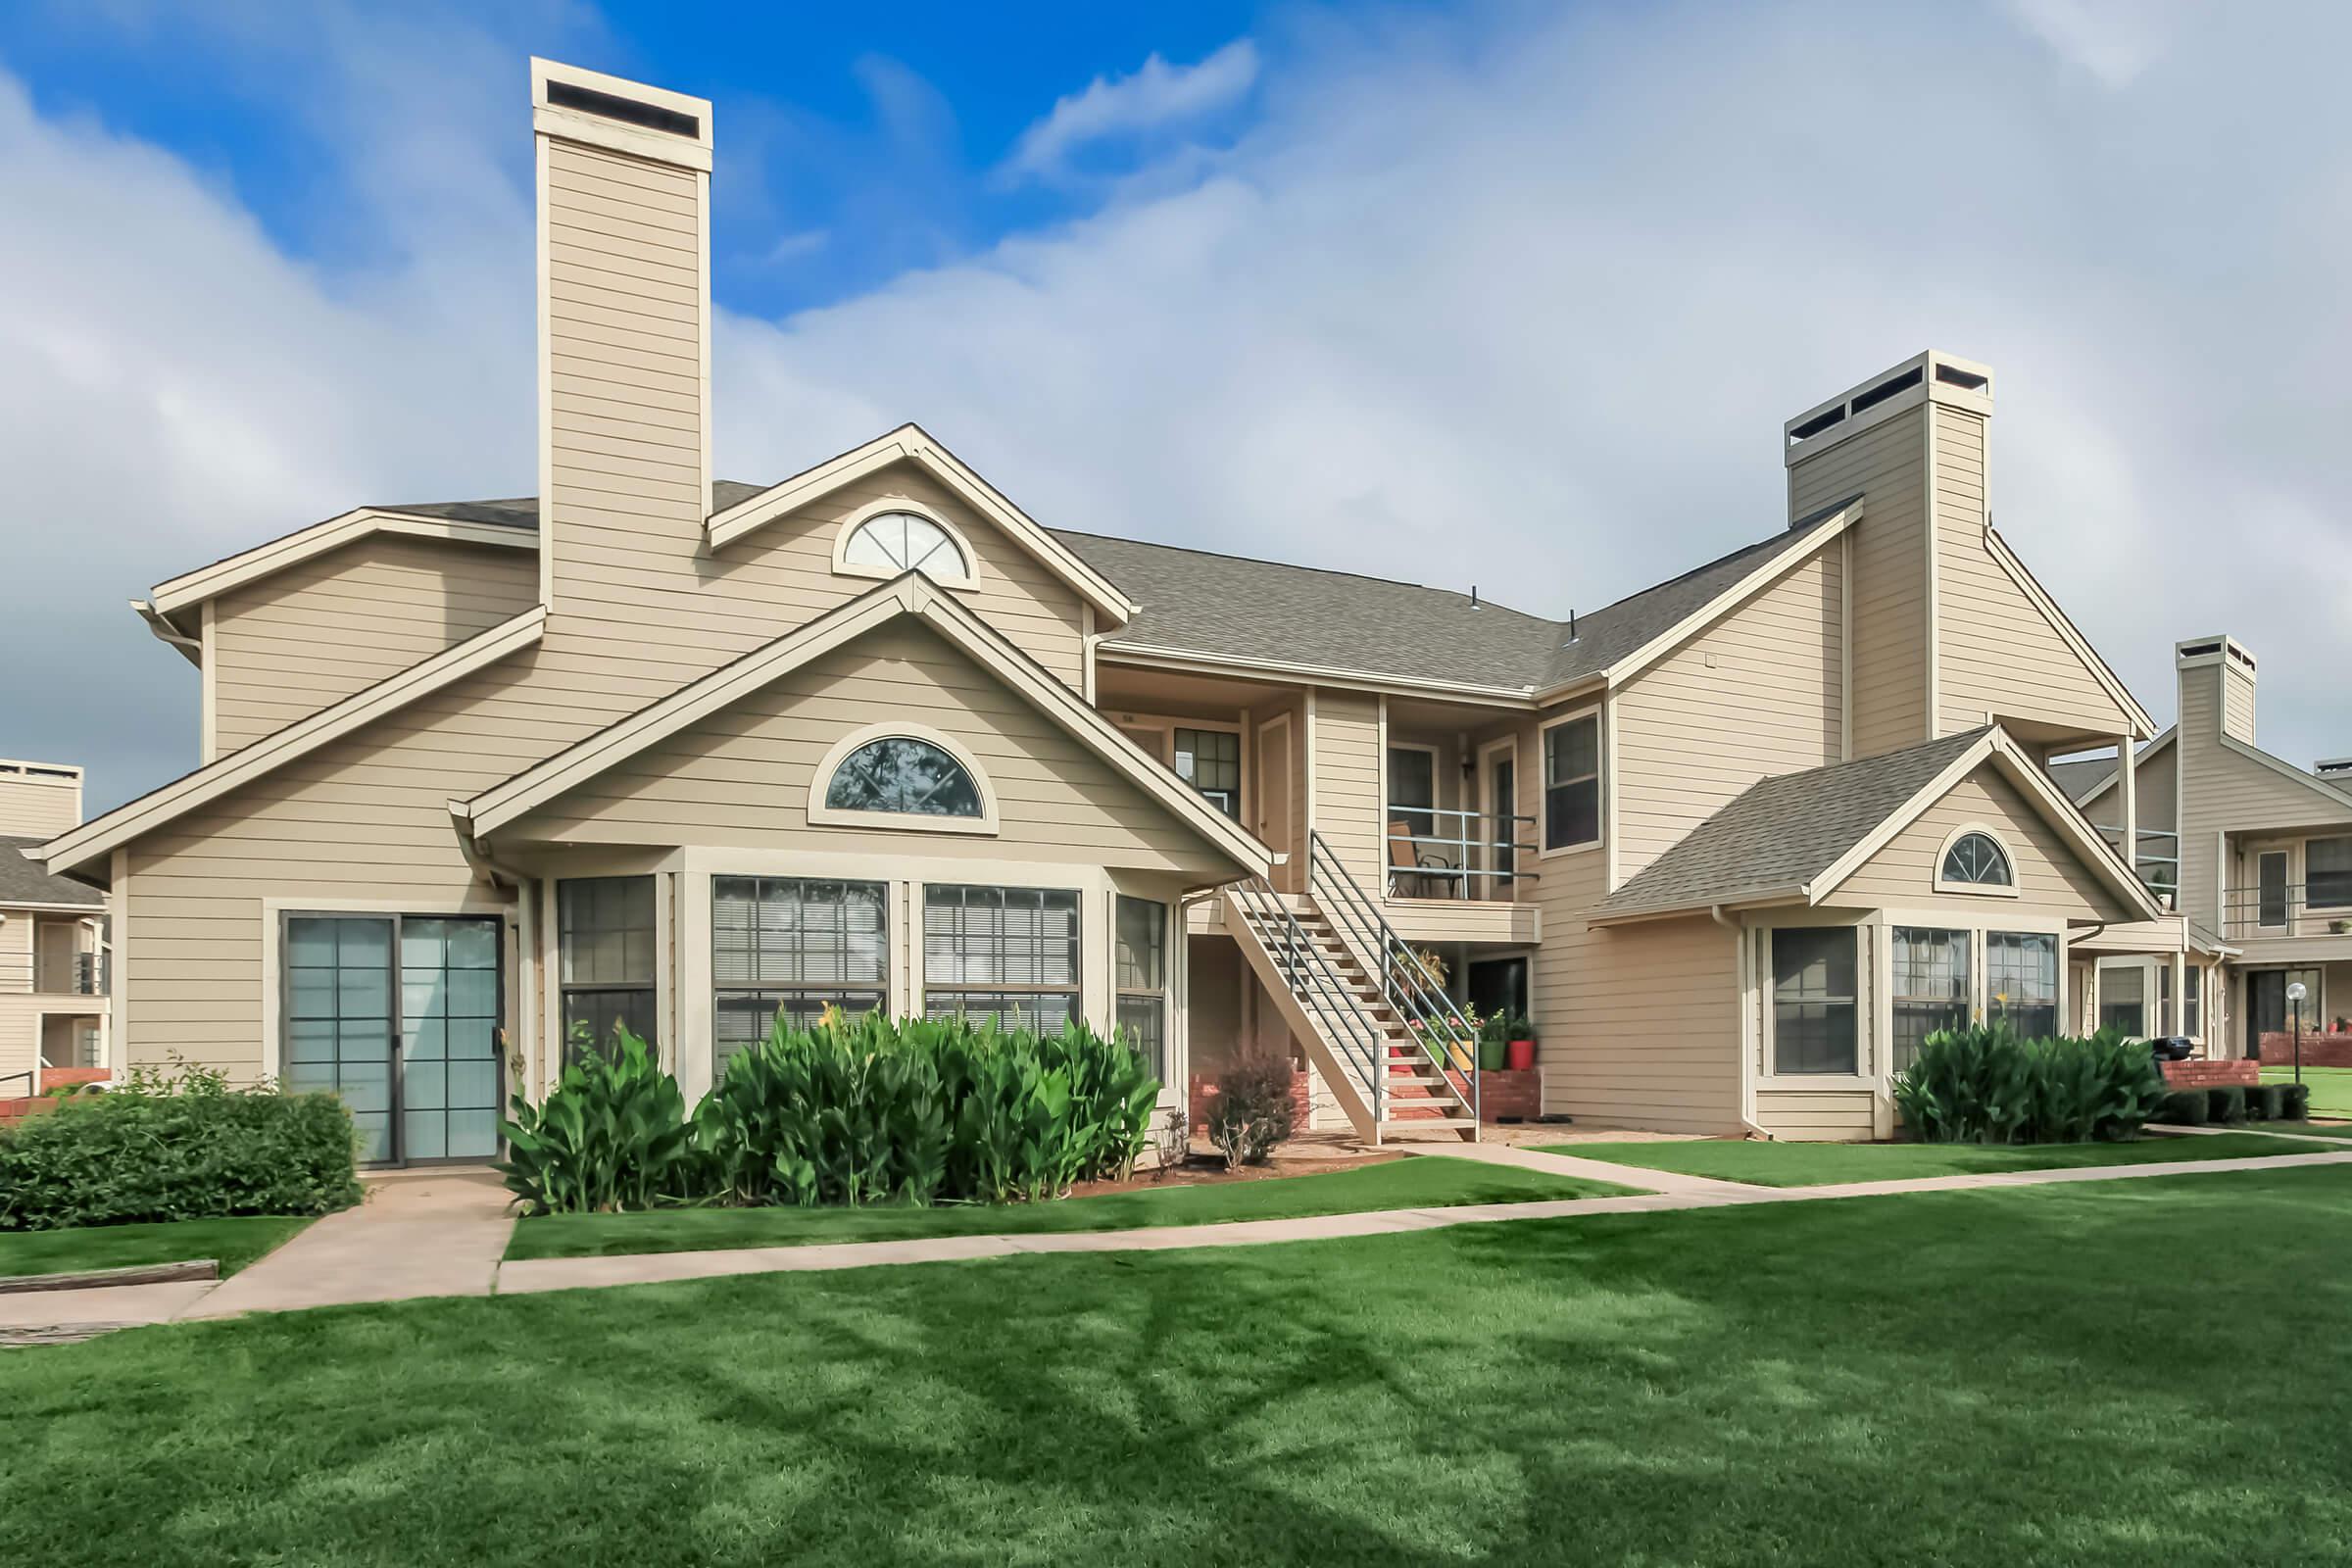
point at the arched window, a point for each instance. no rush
(905, 777)
(891, 542)
(1976, 859)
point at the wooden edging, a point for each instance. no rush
(202, 1268)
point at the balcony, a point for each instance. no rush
(71, 974)
(2289, 910)
(2158, 861)
(1469, 856)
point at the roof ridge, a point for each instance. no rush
(1292, 566)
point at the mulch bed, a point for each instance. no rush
(1211, 1171)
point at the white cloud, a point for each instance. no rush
(1157, 96)
(2115, 41)
(1522, 307)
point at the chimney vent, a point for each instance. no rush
(2334, 767)
(629, 111)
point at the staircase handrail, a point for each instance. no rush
(1364, 1043)
(1428, 1010)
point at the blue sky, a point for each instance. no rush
(1418, 291)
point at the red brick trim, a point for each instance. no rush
(2211, 1074)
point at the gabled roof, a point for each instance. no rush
(910, 594)
(911, 443)
(100, 835)
(25, 884)
(2327, 788)
(1199, 606)
(1795, 837)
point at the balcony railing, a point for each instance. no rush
(2158, 861)
(2289, 910)
(89, 974)
(1437, 854)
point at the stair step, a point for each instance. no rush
(1420, 1123)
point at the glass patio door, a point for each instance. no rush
(399, 1015)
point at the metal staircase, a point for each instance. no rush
(1381, 1033)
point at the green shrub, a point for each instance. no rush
(849, 1113)
(2266, 1102)
(2183, 1107)
(2226, 1105)
(1984, 1084)
(611, 1135)
(2294, 1102)
(168, 1146)
(1253, 1111)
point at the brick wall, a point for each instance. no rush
(2319, 1049)
(1201, 1092)
(2211, 1074)
(58, 1077)
(1506, 1094)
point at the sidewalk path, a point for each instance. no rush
(419, 1233)
(444, 1233)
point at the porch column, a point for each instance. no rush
(2127, 790)
(2180, 1015)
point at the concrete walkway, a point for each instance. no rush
(419, 1233)
(425, 1234)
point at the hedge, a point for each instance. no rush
(2266, 1102)
(2226, 1104)
(2183, 1107)
(134, 1155)
(2295, 1103)
(1986, 1084)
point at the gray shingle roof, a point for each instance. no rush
(23, 881)
(1194, 600)
(2080, 778)
(1783, 832)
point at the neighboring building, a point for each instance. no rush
(683, 752)
(2260, 851)
(53, 946)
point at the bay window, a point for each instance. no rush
(793, 946)
(1815, 1013)
(1007, 954)
(605, 957)
(1932, 989)
(1141, 978)
(2021, 981)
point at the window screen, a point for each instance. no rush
(1142, 964)
(1814, 1016)
(2124, 999)
(1572, 782)
(605, 949)
(1008, 953)
(1210, 762)
(2328, 872)
(790, 947)
(1930, 987)
(2021, 981)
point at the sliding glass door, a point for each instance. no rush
(399, 1014)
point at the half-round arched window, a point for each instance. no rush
(905, 777)
(891, 542)
(1976, 859)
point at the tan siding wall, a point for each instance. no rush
(1755, 695)
(1888, 465)
(2224, 792)
(1996, 652)
(1347, 770)
(32, 808)
(306, 638)
(2238, 703)
(742, 778)
(1823, 1115)
(2051, 877)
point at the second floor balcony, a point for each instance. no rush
(2282, 908)
(1468, 856)
(2156, 857)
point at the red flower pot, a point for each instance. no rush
(1522, 1055)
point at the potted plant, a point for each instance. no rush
(1493, 1041)
(1519, 1053)
(2340, 927)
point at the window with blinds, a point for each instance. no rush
(605, 947)
(1141, 973)
(1007, 954)
(793, 946)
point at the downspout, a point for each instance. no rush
(526, 940)
(1748, 1067)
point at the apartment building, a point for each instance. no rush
(481, 778)
(2259, 851)
(53, 937)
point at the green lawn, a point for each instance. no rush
(1419, 1182)
(235, 1242)
(1815, 1164)
(2331, 1086)
(1958, 1378)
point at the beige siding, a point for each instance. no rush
(1755, 695)
(2051, 876)
(1997, 653)
(1832, 1115)
(304, 639)
(1886, 465)
(38, 806)
(1347, 771)
(742, 778)
(2224, 791)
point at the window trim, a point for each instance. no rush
(1168, 730)
(1159, 995)
(1601, 781)
(1769, 1075)
(1982, 890)
(1969, 1004)
(2311, 902)
(919, 935)
(821, 815)
(843, 567)
(565, 990)
(885, 991)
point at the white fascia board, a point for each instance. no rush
(100, 835)
(206, 582)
